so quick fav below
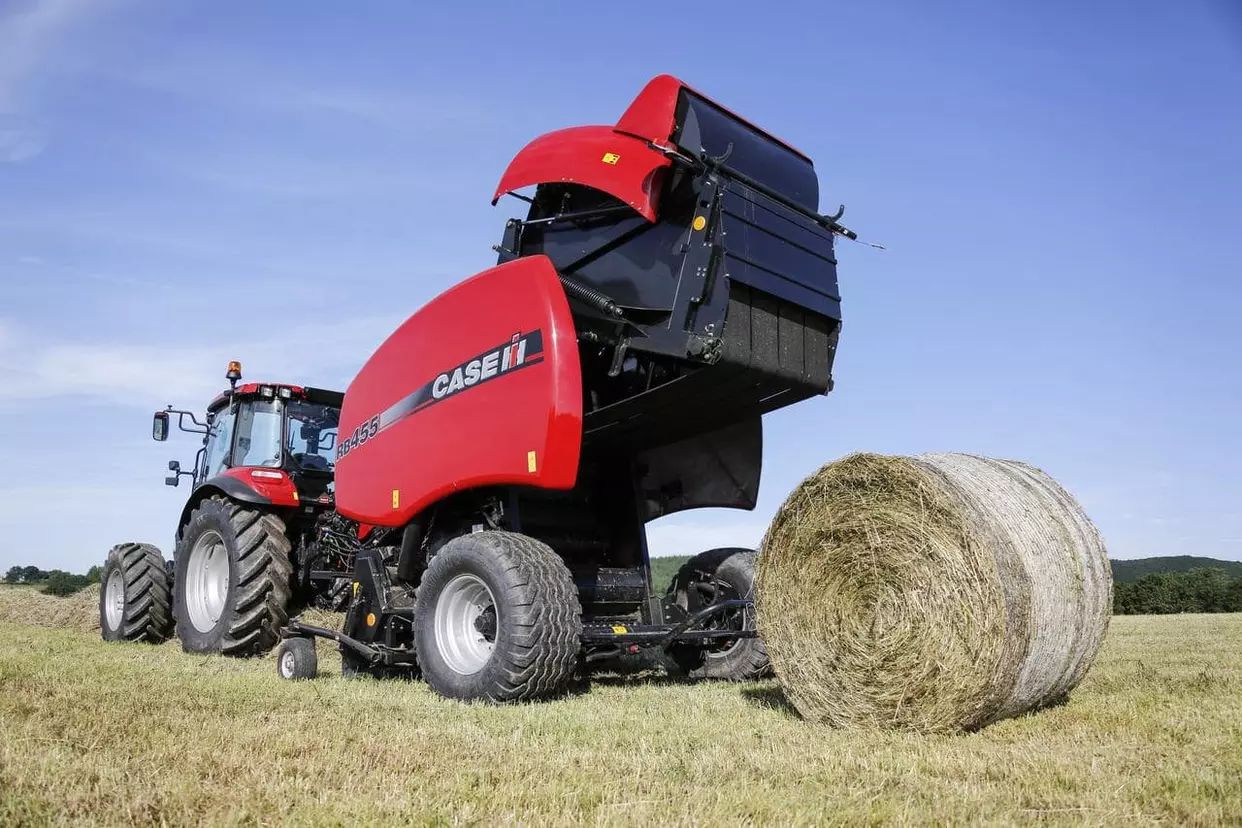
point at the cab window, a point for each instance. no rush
(258, 434)
(219, 441)
(312, 435)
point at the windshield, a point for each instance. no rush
(312, 435)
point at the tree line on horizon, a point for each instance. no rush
(1204, 589)
(53, 581)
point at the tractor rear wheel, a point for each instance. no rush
(711, 576)
(234, 579)
(135, 595)
(497, 619)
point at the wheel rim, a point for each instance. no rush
(466, 624)
(287, 664)
(207, 581)
(114, 599)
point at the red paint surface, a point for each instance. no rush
(280, 491)
(576, 155)
(481, 436)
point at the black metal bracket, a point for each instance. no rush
(661, 635)
(374, 655)
(296, 629)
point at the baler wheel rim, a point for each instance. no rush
(464, 600)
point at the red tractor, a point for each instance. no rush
(254, 538)
(499, 456)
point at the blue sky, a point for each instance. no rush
(1058, 185)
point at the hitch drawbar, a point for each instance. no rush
(593, 635)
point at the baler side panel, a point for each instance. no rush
(481, 387)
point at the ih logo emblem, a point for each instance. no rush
(611, 158)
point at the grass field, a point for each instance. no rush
(139, 734)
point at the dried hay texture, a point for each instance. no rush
(29, 605)
(934, 593)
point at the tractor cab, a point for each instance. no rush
(267, 443)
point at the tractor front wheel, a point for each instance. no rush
(497, 619)
(135, 596)
(234, 579)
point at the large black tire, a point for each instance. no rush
(535, 623)
(135, 595)
(255, 604)
(710, 576)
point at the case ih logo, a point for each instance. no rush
(521, 351)
(482, 368)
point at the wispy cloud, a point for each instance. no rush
(30, 32)
(19, 141)
(152, 374)
(237, 81)
(114, 513)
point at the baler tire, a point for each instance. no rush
(296, 659)
(135, 595)
(536, 642)
(747, 658)
(260, 579)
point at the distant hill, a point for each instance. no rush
(1125, 572)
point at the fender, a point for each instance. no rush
(481, 387)
(240, 485)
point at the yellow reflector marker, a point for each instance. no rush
(611, 158)
(357, 586)
(370, 619)
(699, 223)
(531, 465)
(620, 629)
(396, 499)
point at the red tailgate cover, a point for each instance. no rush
(480, 387)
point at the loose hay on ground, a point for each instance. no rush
(28, 605)
(940, 592)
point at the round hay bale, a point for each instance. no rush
(932, 593)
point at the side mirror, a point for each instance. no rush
(159, 426)
(174, 465)
(172, 480)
